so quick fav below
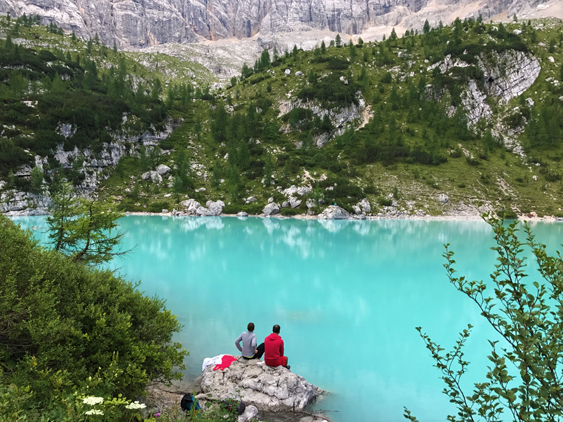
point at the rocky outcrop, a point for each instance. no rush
(271, 209)
(211, 209)
(152, 22)
(334, 212)
(268, 389)
(16, 203)
(340, 117)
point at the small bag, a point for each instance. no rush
(189, 403)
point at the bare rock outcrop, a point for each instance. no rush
(269, 389)
(334, 212)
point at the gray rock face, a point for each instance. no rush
(294, 202)
(151, 22)
(334, 212)
(256, 384)
(271, 209)
(364, 205)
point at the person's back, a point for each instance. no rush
(249, 349)
(274, 349)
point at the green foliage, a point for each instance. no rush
(84, 230)
(67, 326)
(331, 91)
(524, 376)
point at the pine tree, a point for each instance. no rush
(393, 35)
(426, 28)
(323, 48)
(338, 41)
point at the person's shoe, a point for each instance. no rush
(288, 367)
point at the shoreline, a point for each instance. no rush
(521, 218)
(544, 219)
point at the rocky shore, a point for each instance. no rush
(272, 394)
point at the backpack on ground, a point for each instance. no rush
(189, 402)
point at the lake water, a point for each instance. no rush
(347, 295)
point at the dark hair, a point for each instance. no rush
(250, 326)
(276, 329)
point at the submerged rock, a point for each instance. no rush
(334, 212)
(269, 389)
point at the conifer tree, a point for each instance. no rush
(426, 28)
(323, 48)
(338, 41)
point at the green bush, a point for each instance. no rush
(385, 202)
(63, 323)
(507, 214)
(289, 212)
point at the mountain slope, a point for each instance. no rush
(434, 123)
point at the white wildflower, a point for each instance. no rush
(135, 405)
(94, 412)
(92, 401)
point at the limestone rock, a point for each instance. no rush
(285, 204)
(443, 198)
(215, 208)
(310, 203)
(356, 209)
(153, 176)
(163, 170)
(287, 72)
(294, 202)
(364, 205)
(191, 205)
(271, 209)
(250, 413)
(303, 190)
(242, 214)
(250, 200)
(255, 383)
(334, 212)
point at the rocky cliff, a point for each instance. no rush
(142, 23)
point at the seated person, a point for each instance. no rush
(249, 349)
(274, 349)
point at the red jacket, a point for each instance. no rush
(273, 353)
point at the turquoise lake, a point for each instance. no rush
(347, 295)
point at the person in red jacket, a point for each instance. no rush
(273, 355)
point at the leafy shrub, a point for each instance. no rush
(331, 91)
(507, 214)
(370, 190)
(289, 212)
(384, 202)
(472, 161)
(552, 176)
(64, 321)
(335, 63)
(158, 206)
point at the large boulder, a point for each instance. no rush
(334, 212)
(215, 208)
(153, 176)
(271, 209)
(163, 169)
(294, 202)
(364, 205)
(443, 198)
(191, 206)
(269, 389)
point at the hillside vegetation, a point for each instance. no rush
(398, 122)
